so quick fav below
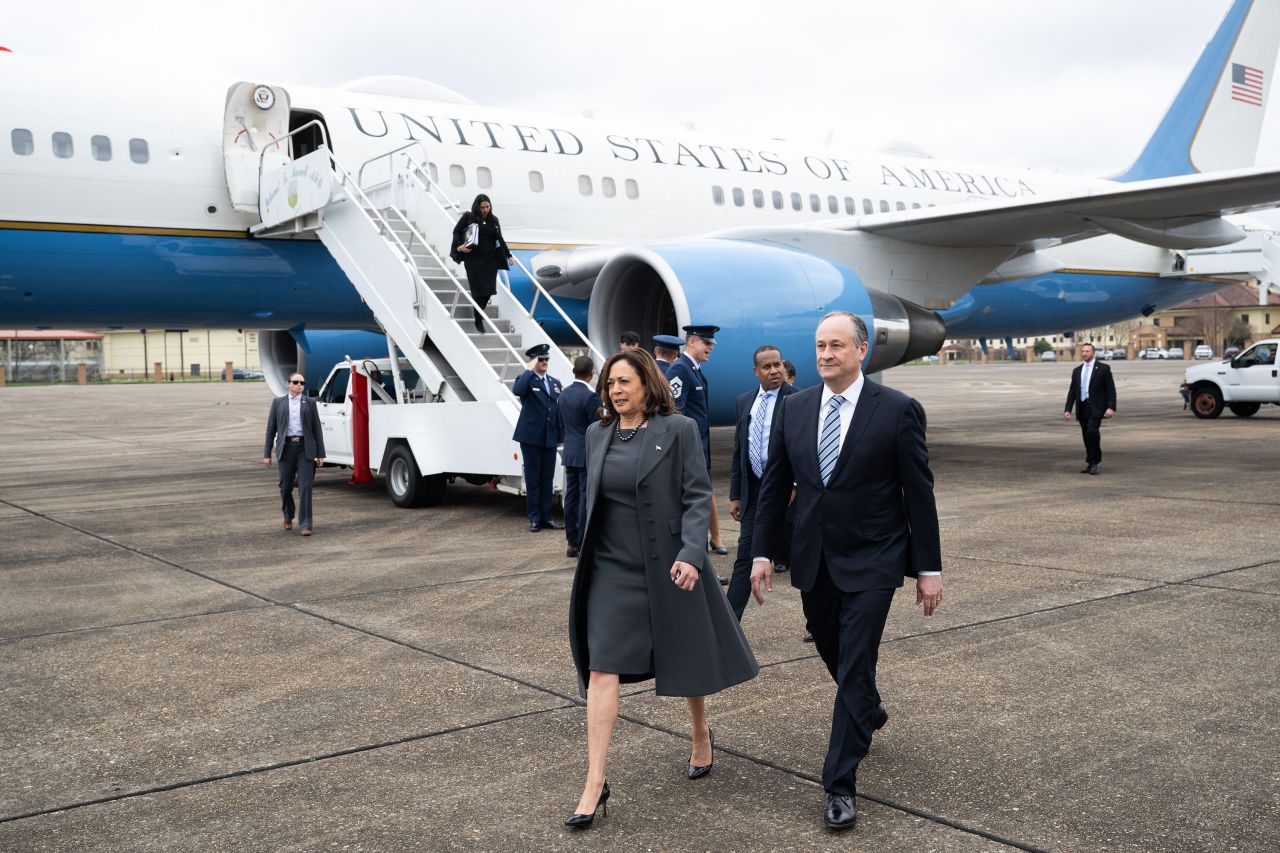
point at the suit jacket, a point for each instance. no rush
(278, 428)
(579, 408)
(1102, 390)
(539, 422)
(876, 520)
(740, 469)
(698, 646)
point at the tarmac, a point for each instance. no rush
(178, 673)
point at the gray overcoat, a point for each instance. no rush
(698, 645)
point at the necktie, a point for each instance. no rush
(1084, 383)
(546, 384)
(758, 451)
(829, 441)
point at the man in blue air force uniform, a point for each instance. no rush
(666, 349)
(538, 430)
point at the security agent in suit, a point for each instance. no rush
(690, 390)
(666, 349)
(295, 438)
(1093, 394)
(579, 406)
(538, 431)
(757, 410)
(864, 518)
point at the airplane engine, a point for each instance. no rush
(313, 354)
(757, 293)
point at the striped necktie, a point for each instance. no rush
(829, 441)
(758, 450)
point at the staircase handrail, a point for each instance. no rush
(444, 203)
(417, 143)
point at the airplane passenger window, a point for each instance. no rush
(101, 147)
(633, 189)
(867, 206)
(902, 206)
(22, 141)
(777, 200)
(139, 151)
(457, 175)
(797, 203)
(738, 198)
(884, 206)
(484, 177)
(608, 188)
(717, 195)
(535, 181)
(62, 145)
(850, 206)
(815, 203)
(833, 204)
(435, 173)
(915, 205)
(757, 198)
(584, 184)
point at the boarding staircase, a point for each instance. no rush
(389, 227)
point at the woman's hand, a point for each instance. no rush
(684, 575)
(466, 250)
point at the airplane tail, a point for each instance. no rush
(1216, 120)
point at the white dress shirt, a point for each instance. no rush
(295, 415)
(1085, 372)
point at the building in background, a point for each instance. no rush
(50, 355)
(182, 353)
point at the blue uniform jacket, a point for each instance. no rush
(539, 422)
(689, 387)
(579, 408)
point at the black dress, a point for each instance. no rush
(482, 263)
(619, 633)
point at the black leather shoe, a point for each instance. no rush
(879, 718)
(582, 821)
(841, 813)
(534, 527)
(1095, 469)
(780, 568)
(724, 581)
(808, 636)
(552, 525)
(699, 772)
(1085, 469)
(571, 551)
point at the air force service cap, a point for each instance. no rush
(707, 333)
(670, 341)
(538, 351)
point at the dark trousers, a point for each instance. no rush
(295, 464)
(1091, 431)
(575, 498)
(846, 628)
(740, 582)
(539, 474)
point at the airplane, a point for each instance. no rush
(125, 204)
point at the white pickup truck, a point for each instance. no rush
(1242, 384)
(419, 443)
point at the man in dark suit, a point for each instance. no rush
(579, 406)
(864, 518)
(295, 436)
(666, 349)
(757, 410)
(1093, 394)
(538, 431)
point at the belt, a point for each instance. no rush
(293, 438)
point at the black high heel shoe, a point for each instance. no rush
(582, 821)
(699, 772)
(722, 550)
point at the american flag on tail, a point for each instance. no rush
(1246, 84)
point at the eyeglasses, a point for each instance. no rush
(543, 360)
(297, 382)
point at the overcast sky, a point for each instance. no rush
(1075, 87)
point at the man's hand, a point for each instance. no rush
(320, 462)
(1108, 413)
(929, 592)
(735, 509)
(684, 575)
(533, 362)
(761, 579)
(1066, 416)
(266, 460)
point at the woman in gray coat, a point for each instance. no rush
(646, 602)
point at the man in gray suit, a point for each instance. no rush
(293, 432)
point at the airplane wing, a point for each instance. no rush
(1173, 213)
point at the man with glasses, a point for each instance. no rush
(538, 430)
(293, 430)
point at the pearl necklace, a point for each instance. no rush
(630, 433)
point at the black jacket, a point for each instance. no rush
(1102, 390)
(579, 408)
(460, 234)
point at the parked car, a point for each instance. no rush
(1231, 352)
(1048, 355)
(239, 373)
(1203, 351)
(1152, 353)
(1119, 355)
(1102, 354)
(1174, 352)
